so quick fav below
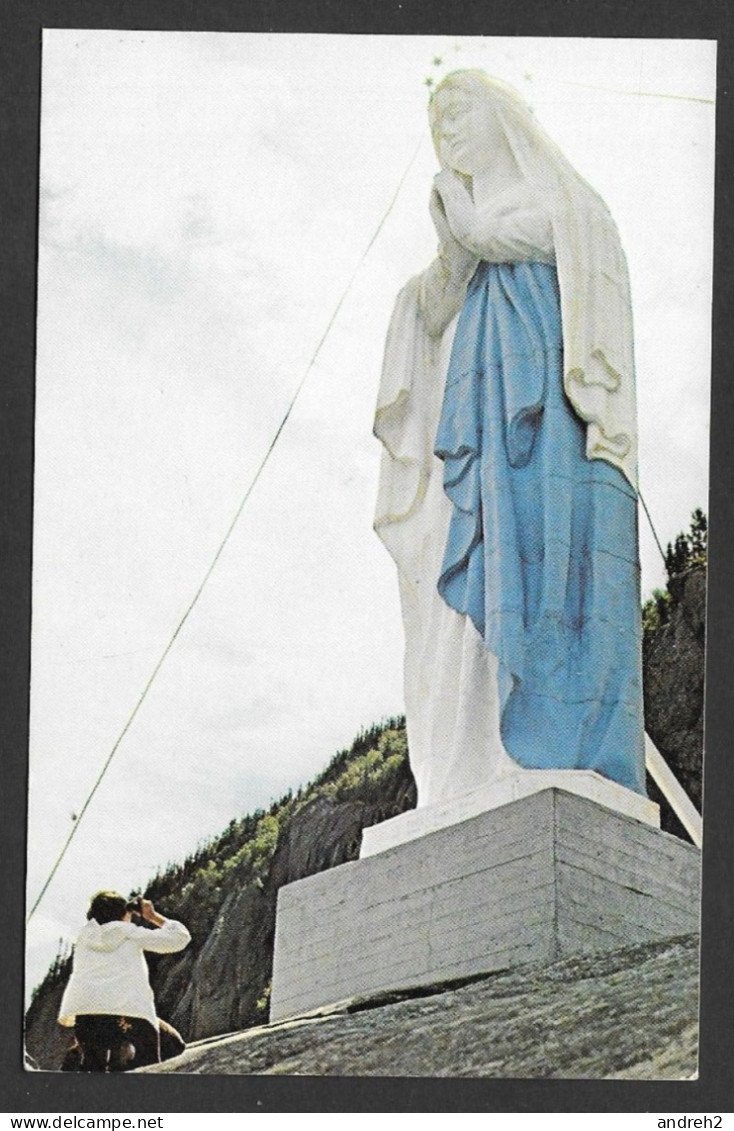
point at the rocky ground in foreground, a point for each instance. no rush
(626, 1014)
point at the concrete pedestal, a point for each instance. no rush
(537, 879)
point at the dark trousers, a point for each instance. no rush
(115, 1044)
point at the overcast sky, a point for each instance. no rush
(205, 199)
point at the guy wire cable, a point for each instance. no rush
(636, 93)
(654, 531)
(192, 604)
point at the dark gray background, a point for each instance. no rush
(20, 40)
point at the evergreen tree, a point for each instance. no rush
(688, 549)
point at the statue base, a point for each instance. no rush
(536, 879)
(510, 787)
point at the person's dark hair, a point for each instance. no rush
(107, 906)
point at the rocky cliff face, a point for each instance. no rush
(45, 1040)
(226, 986)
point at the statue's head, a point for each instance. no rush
(470, 115)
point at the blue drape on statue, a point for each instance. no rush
(541, 552)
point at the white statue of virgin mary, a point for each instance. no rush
(508, 492)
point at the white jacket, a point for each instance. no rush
(110, 974)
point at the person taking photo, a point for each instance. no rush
(109, 1000)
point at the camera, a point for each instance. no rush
(135, 905)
